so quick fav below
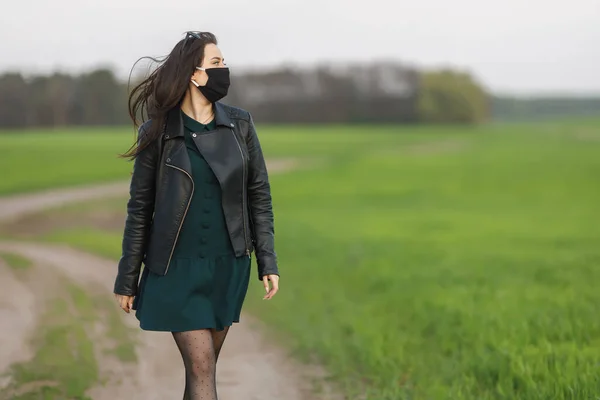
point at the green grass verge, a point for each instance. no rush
(64, 365)
(102, 243)
(16, 261)
(120, 338)
(105, 244)
(123, 336)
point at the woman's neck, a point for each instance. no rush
(196, 106)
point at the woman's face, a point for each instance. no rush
(212, 59)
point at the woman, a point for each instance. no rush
(199, 205)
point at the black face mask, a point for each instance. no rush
(217, 85)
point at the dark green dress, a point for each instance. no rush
(206, 283)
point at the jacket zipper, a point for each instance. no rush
(243, 193)
(184, 214)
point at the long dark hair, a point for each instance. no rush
(165, 87)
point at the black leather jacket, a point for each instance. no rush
(161, 189)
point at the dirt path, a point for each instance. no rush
(17, 318)
(250, 367)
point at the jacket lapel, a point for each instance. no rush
(176, 153)
(223, 154)
(220, 149)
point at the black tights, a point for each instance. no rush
(200, 350)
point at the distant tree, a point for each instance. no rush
(101, 99)
(52, 100)
(448, 96)
(378, 92)
(14, 101)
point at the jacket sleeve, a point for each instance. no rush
(140, 209)
(261, 209)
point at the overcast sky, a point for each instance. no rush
(518, 46)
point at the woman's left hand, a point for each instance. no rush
(275, 281)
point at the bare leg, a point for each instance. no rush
(197, 351)
(218, 340)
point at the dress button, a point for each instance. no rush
(231, 124)
(202, 255)
(194, 135)
(208, 195)
(206, 211)
(205, 225)
(203, 240)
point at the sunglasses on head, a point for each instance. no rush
(193, 35)
(196, 34)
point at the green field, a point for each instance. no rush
(430, 263)
(46, 159)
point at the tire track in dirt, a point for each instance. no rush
(250, 366)
(18, 316)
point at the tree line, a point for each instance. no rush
(377, 93)
(56, 100)
(382, 92)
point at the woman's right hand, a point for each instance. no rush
(125, 302)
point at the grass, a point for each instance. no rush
(64, 365)
(77, 156)
(16, 261)
(461, 268)
(469, 274)
(123, 337)
(59, 155)
(103, 243)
